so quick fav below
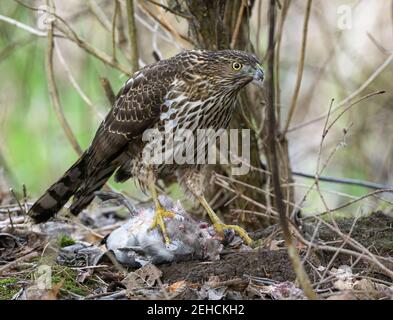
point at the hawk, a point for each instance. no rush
(193, 90)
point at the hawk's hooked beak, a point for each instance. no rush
(258, 76)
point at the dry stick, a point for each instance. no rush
(335, 149)
(31, 255)
(325, 131)
(105, 84)
(114, 23)
(300, 68)
(347, 204)
(242, 196)
(17, 200)
(165, 25)
(74, 83)
(238, 24)
(355, 244)
(166, 8)
(71, 35)
(55, 95)
(23, 26)
(349, 98)
(353, 182)
(99, 14)
(371, 258)
(302, 276)
(284, 12)
(105, 58)
(337, 252)
(132, 36)
(245, 184)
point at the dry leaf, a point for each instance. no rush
(177, 286)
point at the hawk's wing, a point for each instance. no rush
(137, 107)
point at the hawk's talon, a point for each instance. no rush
(220, 227)
(159, 216)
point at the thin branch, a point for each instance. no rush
(166, 8)
(348, 181)
(74, 83)
(99, 14)
(114, 28)
(73, 36)
(105, 84)
(349, 98)
(23, 26)
(132, 36)
(284, 12)
(300, 68)
(55, 95)
(235, 34)
(165, 25)
(349, 203)
(302, 276)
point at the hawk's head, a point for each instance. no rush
(226, 69)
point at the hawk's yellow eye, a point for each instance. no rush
(236, 66)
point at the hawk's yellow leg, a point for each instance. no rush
(160, 213)
(220, 226)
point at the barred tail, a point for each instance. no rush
(85, 195)
(60, 192)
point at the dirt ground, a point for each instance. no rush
(261, 273)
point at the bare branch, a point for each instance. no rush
(300, 68)
(132, 36)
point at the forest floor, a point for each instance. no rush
(35, 263)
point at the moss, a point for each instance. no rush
(8, 287)
(65, 241)
(68, 276)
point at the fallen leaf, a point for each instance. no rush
(177, 286)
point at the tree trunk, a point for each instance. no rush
(212, 26)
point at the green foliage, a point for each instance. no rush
(8, 287)
(68, 276)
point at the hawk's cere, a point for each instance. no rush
(193, 90)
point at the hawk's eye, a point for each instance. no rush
(236, 66)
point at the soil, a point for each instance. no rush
(274, 265)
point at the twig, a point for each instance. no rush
(31, 255)
(75, 83)
(105, 84)
(353, 182)
(235, 34)
(349, 98)
(100, 15)
(165, 25)
(166, 8)
(114, 28)
(300, 68)
(284, 12)
(12, 223)
(71, 35)
(55, 95)
(351, 202)
(302, 276)
(132, 36)
(17, 200)
(22, 26)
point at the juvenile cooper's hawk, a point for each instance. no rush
(193, 90)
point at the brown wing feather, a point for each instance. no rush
(136, 108)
